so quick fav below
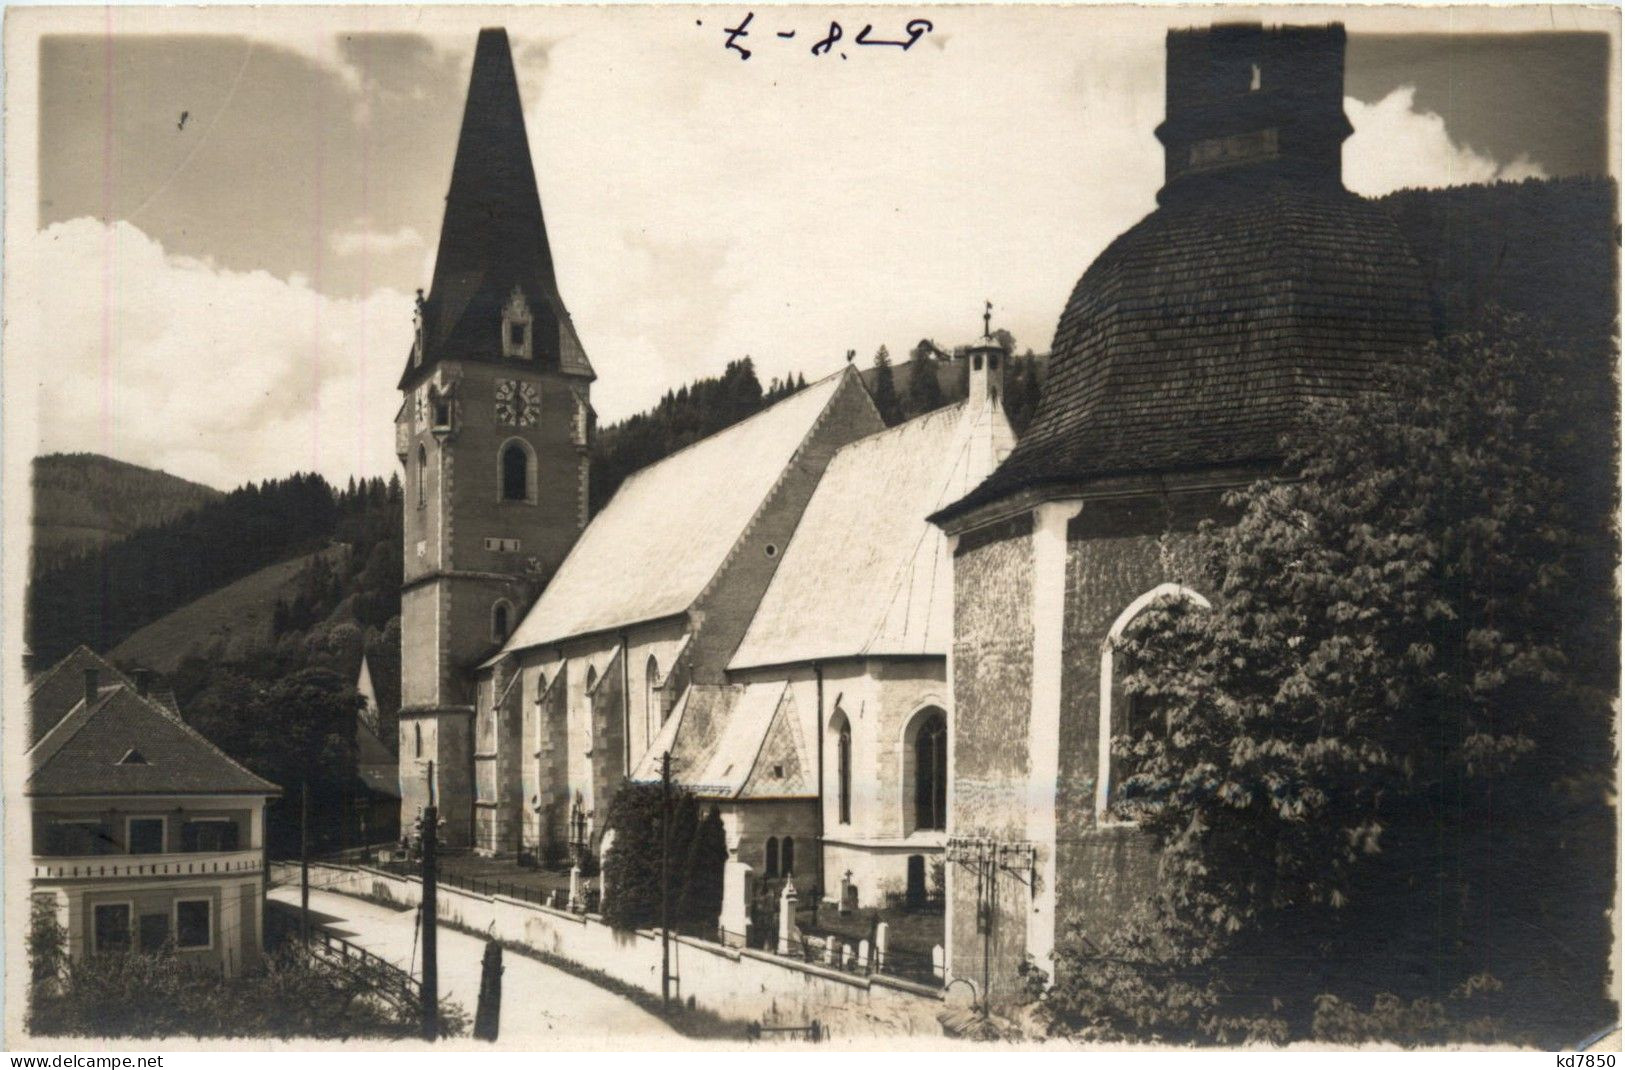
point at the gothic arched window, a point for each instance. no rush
(423, 477)
(772, 867)
(843, 770)
(515, 472)
(787, 856)
(652, 713)
(928, 750)
(499, 620)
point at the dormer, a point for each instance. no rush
(516, 326)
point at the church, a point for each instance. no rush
(887, 655)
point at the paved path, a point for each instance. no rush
(541, 1006)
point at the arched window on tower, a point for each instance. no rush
(417, 741)
(500, 613)
(926, 752)
(1122, 714)
(516, 472)
(423, 477)
(772, 866)
(787, 857)
(843, 769)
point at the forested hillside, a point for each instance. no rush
(706, 406)
(103, 597)
(682, 417)
(84, 501)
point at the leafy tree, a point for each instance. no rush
(924, 392)
(1393, 721)
(885, 390)
(1022, 396)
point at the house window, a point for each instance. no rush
(515, 472)
(77, 838)
(929, 775)
(843, 771)
(772, 867)
(423, 477)
(1122, 715)
(144, 835)
(193, 930)
(112, 927)
(787, 856)
(209, 834)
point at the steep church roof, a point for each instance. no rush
(651, 552)
(865, 573)
(1257, 287)
(493, 239)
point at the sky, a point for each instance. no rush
(234, 207)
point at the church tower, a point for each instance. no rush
(493, 434)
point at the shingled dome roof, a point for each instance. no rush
(1260, 285)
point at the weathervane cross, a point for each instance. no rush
(987, 320)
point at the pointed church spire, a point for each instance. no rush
(494, 257)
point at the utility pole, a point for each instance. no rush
(430, 988)
(304, 862)
(665, 878)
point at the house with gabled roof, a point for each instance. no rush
(652, 601)
(144, 834)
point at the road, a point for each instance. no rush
(541, 1006)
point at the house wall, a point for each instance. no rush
(114, 819)
(232, 881)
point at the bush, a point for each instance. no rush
(159, 994)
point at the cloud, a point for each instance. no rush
(215, 375)
(1394, 146)
(377, 243)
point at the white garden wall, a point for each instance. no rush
(747, 985)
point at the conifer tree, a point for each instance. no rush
(885, 391)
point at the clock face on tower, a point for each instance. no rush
(519, 403)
